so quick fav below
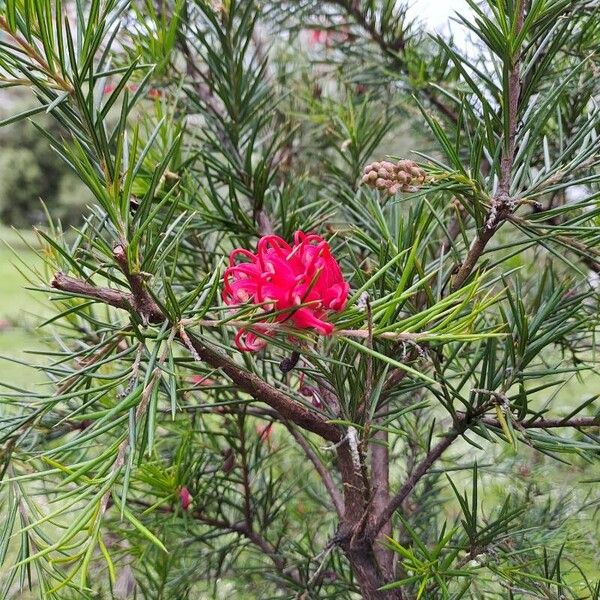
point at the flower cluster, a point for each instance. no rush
(403, 176)
(299, 284)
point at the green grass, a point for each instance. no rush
(19, 310)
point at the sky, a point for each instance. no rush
(437, 13)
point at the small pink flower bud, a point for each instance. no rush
(185, 497)
(393, 178)
(402, 177)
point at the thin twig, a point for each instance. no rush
(238, 528)
(34, 54)
(552, 423)
(382, 517)
(502, 203)
(398, 336)
(245, 473)
(324, 474)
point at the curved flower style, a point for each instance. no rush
(299, 283)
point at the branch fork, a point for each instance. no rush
(139, 301)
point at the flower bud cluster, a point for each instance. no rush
(389, 177)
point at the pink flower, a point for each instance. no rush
(300, 283)
(185, 497)
(202, 380)
(318, 36)
(109, 88)
(264, 431)
(325, 37)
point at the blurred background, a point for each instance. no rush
(33, 179)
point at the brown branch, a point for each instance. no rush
(473, 255)
(143, 302)
(264, 392)
(79, 287)
(544, 423)
(514, 93)
(245, 381)
(354, 492)
(502, 202)
(380, 464)
(382, 517)
(380, 474)
(463, 423)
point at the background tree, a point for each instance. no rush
(30, 171)
(413, 453)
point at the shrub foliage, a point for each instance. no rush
(443, 441)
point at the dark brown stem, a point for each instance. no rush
(78, 287)
(464, 421)
(380, 474)
(357, 549)
(461, 424)
(354, 492)
(382, 517)
(501, 203)
(264, 392)
(553, 423)
(246, 382)
(473, 255)
(514, 93)
(143, 302)
(369, 577)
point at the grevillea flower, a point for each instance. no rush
(185, 498)
(298, 284)
(202, 380)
